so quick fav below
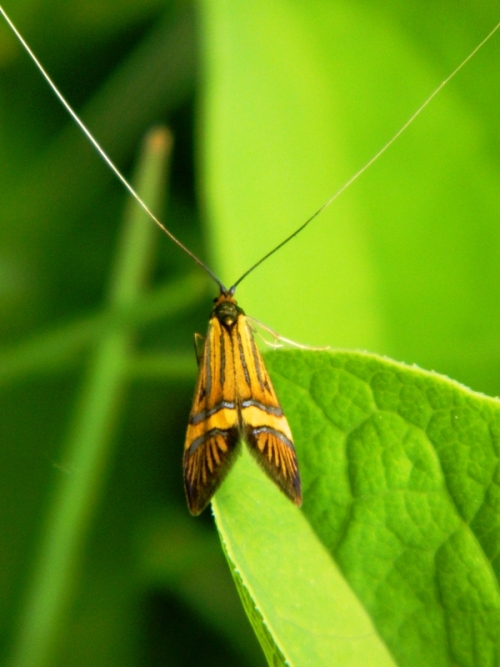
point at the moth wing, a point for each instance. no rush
(265, 427)
(212, 433)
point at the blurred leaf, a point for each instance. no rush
(177, 556)
(399, 523)
(297, 97)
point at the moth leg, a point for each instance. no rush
(199, 341)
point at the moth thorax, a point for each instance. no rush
(226, 310)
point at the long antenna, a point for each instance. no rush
(144, 206)
(104, 155)
(361, 171)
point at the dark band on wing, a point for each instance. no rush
(272, 431)
(224, 432)
(241, 352)
(270, 409)
(256, 361)
(222, 358)
(207, 359)
(204, 414)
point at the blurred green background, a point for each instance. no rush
(272, 109)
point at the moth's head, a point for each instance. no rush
(226, 310)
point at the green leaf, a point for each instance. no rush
(395, 551)
(300, 607)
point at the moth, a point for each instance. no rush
(234, 398)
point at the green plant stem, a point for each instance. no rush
(53, 350)
(89, 443)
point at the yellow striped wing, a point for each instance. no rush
(213, 431)
(262, 422)
(234, 398)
